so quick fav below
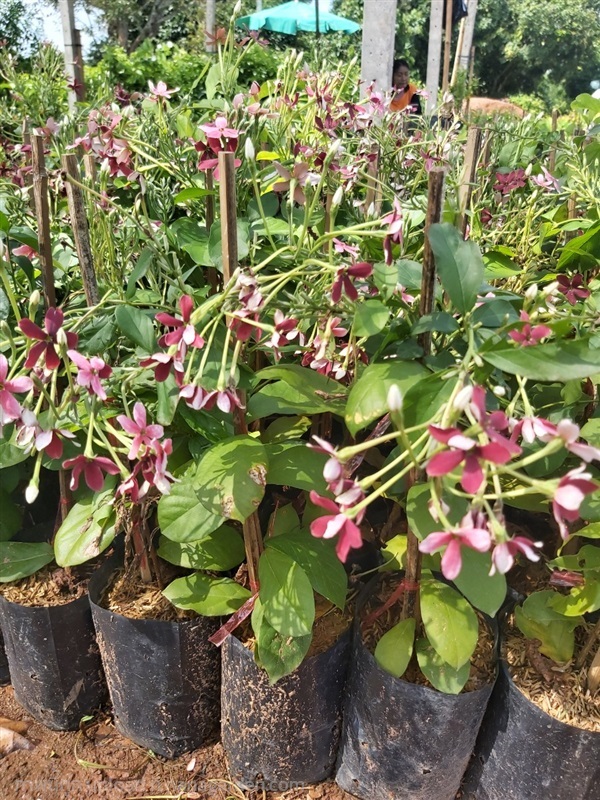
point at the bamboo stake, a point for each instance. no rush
(467, 184)
(253, 541)
(459, 47)
(42, 211)
(552, 154)
(373, 196)
(471, 74)
(434, 214)
(571, 214)
(81, 232)
(213, 277)
(447, 46)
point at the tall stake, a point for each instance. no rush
(81, 232)
(42, 212)
(28, 177)
(552, 154)
(373, 195)
(253, 541)
(447, 46)
(467, 184)
(213, 278)
(410, 608)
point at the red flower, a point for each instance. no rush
(569, 495)
(184, 334)
(529, 335)
(335, 524)
(572, 289)
(468, 534)
(10, 409)
(343, 280)
(90, 371)
(46, 338)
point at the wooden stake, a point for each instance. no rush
(434, 214)
(571, 214)
(89, 167)
(28, 176)
(253, 541)
(467, 184)
(213, 277)
(552, 153)
(81, 232)
(459, 45)
(42, 211)
(470, 84)
(447, 46)
(373, 196)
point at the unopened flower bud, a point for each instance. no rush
(550, 288)
(335, 146)
(394, 398)
(338, 196)
(61, 339)
(463, 398)
(528, 170)
(499, 391)
(31, 493)
(237, 8)
(35, 299)
(249, 150)
(531, 292)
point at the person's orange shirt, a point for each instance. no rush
(403, 98)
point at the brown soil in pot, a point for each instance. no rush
(131, 597)
(563, 694)
(50, 586)
(483, 663)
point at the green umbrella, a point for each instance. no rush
(296, 16)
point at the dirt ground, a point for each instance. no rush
(100, 764)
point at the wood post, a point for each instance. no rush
(78, 70)
(377, 47)
(28, 176)
(470, 82)
(552, 153)
(42, 211)
(435, 200)
(465, 190)
(434, 53)
(89, 167)
(210, 27)
(67, 15)
(253, 541)
(81, 233)
(213, 277)
(373, 195)
(457, 52)
(447, 46)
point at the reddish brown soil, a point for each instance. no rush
(114, 768)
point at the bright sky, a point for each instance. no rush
(83, 20)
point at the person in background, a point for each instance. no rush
(405, 92)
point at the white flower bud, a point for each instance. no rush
(338, 196)
(335, 146)
(61, 338)
(499, 391)
(531, 292)
(31, 493)
(528, 170)
(237, 8)
(35, 299)
(249, 150)
(550, 288)
(463, 398)
(394, 398)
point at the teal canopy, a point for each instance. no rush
(296, 16)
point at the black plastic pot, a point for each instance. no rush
(163, 677)
(55, 666)
(4, 671)
(522, 753)
(287, 733)
(401, 740)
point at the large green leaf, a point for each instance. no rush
(581, 600)
(182, 516)
(536, 619)
(295, 464)
(325, 393)
(88, 529)
(459, 265)
(486, 592)
(20, 559)
(11, 516)
(279, 655)
(395, 648)
(211, 597)
(423, 400)
(450, 623)
(231, 477)
(10, 454)
(556, 361)
(441, 675)
(319, 561)
(286, 594)
(220, 550)
(137, 327)
(281, 398)
(370, 318)
(285, 429)
(368, 397)
(394, 553)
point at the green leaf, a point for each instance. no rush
(439, 321)
(370, 318)
(10, 454)
(590, 531)
(385, 278)
(324, 392)
(20, 559)
(484, 591)
(450, 623)
(192, 193)
(394, 553)
(536, 619)
(137, 327)
(231, 477)
(220, 550)
(182, 516)
(295, 464)
(99, 334)
(494, 313)
(395, 648)
(279, 655)
(280, 398)
(423, 400)
(441, 675)
(591, 431)
(283, 520)
(168, 399)
(286, 428)
(211, 597)
(4, 223)
(286, 594)
(215, 247)
(581, 600)
(318, 559)
(556, 361)
(368, 397)
(11, 517)
(459, 265)
(420, 520)
(88, 529)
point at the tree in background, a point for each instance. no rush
(20, 27)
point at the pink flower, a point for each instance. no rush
(465, 449)
(217, 130)
(46, 339)
(466, 535)
(93, 470)
(10, 409)
(163, 363)
(198, 398)
(299, 176)
(503, 554)
(528, 335)
(343, 280)
(569, 495)
(50, 441)
(184, 334)
(546, 181)
(572, 289)
(395, 230)
(335, 524)
(25, 250)
(160, 91)
(143, 434)
(286, 331)
(531, 428)
(90, 372)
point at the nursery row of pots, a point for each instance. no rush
(397, 738)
